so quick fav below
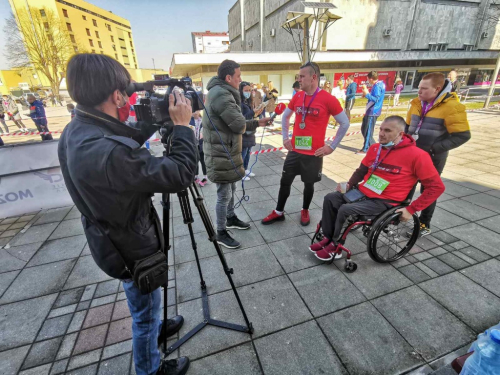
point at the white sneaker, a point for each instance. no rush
(245, 178)
(248, 173)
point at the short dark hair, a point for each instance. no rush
(70, 105)
(227, 67)
(91, 78)
(296, 85)
(351, 76)
(398, 120)
(373, 75)
(313, 66)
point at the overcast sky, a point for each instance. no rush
(160, 27)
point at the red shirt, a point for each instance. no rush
(323, 106)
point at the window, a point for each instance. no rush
(136, 66)
(109, 27)
(46, 26)
(99, 43)
(65, 12)
(127, 64)
(112, 39)
(91, 42)
(68, 25)
(93, 51)
(102, 52)
(125, 56)
(72, 37)
(97, 34)
(116, 56)
(84, 17)
(133, 51)
(131, 45)
(124, 48)
(130, 35)
(88, 32)
(42, 13)
(114, 47)
(76, 48)
(94, 22)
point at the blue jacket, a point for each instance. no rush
(37, 113)
(375, 99)
(350, 93)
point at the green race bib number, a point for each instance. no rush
(376, 184)
(303, 143)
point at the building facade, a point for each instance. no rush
(209, 42)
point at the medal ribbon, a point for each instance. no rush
(425, 108)
(304, 110)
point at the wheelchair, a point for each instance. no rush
(388, 238)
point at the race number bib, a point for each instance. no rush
(376, 184)
(303, 143)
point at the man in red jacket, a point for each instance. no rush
(386, 176)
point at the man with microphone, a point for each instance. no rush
(313, 108)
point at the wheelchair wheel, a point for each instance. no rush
(318, 236)
(389, 238)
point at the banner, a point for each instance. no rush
(361, 78)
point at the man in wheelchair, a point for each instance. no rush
(383, 180)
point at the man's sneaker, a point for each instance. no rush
(272, 218)
(319, 245)
(423, 231)
(224, 239)
(328, 253)
(171, 328)
(360, 152)
(304, 217)
(248, 173)
(245, 178)
(178, 366)
(235, 223)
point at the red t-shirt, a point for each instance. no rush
(403, 167)
(323, 106)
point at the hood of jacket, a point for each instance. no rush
(217, 82)
(406, 141)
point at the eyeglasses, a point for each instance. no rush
(315, 68)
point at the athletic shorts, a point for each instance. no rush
(309, 167)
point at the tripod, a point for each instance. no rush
(188, 219)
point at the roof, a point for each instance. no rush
(209, 33)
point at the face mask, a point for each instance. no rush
(246, 95)
(388, 144)
(124, 111)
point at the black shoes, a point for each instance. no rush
(235, 223)
(174, 366)
(224, 239)
(171, 328)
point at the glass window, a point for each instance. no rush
(88, 32)
(84, 17)
(72, 37)
(42, 13)
(94, 22)
(65, 12)
(68, 25)
(97, 34)
(91, 42)
(46, 25)
(99, 43)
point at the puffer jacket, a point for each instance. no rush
(223, 107)
(248, 138)
(445, 125)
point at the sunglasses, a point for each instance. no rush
(312, 66)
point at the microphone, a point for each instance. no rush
(280, 108)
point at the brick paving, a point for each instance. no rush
(60, 314)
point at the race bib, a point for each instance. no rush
(303, 143)
(376, 184)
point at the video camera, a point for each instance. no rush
(153, 109)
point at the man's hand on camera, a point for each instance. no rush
(265, 121)
(181, 111)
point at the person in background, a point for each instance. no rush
(196, 121)
(37, 114)
(270, 85)
(71, 109)
(10, 107)
(338, 92)
(296, 88)
(350, 95)
(2, 121)
(256, 97)
(455, 83)
(327, 87)
(270, 99)
(397, 91)
(248, 138)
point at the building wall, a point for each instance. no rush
(12, 78)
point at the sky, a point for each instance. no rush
(160, 28)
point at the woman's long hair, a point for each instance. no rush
(248, 101)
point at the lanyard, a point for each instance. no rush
(304, 110)
(376, 163)
(425, 108)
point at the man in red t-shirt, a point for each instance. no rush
(386, 176)
(313, 108)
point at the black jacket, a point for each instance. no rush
(247, 138)
(101, 159)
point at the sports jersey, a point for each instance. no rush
(308, 140)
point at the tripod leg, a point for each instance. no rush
(165, 202)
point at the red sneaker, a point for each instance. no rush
(304, 217)
(273, 217)
(319, 245)
(328, 253)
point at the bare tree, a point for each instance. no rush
(36, 38)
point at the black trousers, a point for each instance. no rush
(336, 210)
(349, 103)
(202, 159)
(44, 128)
(426, 215)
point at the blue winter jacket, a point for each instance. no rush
(350, 92)
(375, 99)
(37, 113)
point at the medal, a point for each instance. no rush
(302, 125)
(305, 110)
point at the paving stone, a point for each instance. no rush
(484, 200)
(6, 279)
(444, 219)
(68, 297)
(40, 370)
(426, 269)
(5, 241)
(68, 228)
(466, 209)
(38, 281)
(117, 349)
(482, 238)
(86, 250)
(24, 252)
(425, 244)
(486, 274)
(85, 272)
(4, 227)
(10, 233)
(465, 257)
(184, 252)
(411, 259)
(280, 230)
(414, 274)
(17, 225)
(89, 370)
(374, 279)
(259, 210)
(250, 265)
(106, 288)
(89, 292)
(448, 248)
(458, 293)
(121, 310)
(438, 266)
(119, 330)
(10, 220)
(67, 346)
(453, 261)
(422, 256)
(83, 305)
(459, 245)
(103, 300)
(437, 251)
(83, 360)
(117, 365)
(42, 352)
(325, 289)
(448, 358)
(293, 254)
(492, 223)
(64, 248)
(90, 339)
(62, 311)
(77, 321)
(457, 190)
(181, 229)
(34, 234)
(435, 240)
(54, 327)
(53, 215)
(424, 323)
(59, 367)
(11, 360)
(295, 351)
(25, 218)
(98, 315)
(121, 296)
(366, 343)
(73, 214)
(400, 263)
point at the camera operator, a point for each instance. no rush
(111, 180)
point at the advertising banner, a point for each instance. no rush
(361, 78)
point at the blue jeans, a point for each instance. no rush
(146, 324)
(367, 127)
(245, 154)
(224, 208)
